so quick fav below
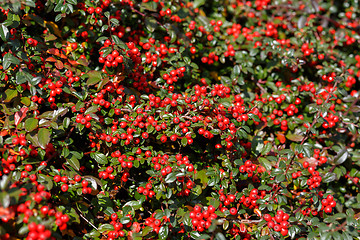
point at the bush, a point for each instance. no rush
(179, 119)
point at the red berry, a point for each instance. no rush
(64, 187)
(233, 211)
(267, 217)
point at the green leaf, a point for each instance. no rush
(4, 32)
(4, 182)
(352, 128)
(151, 6)
(93, 180)
(150, 24)
(9, 59)
(74, 162)
(50, 37)
(301, 22)
(33, 139)
(26, 101)
(34, 80)
(225, 224)
(195, 235)
(220, 236)
(146, 230)
(99, 157)
(106, 227)
(46, 181)
(266, 149)
(44, 137)
(215, 131)
(341, 157)
(235, 72)
(23, 230)
(265, 163)
(91, 109)
(94, 234)
(22, 77)
(171, 177)
(9, 94)
(4, 199)
(66, 122)
(164, 232)
(294, 137)
(293, 230)
(118, 42)
(31, 124)
(329, 177)
(198, 3)
(257, 146)
(134, 204)
(114, 22)
(94, 77)
(204, 236)
(184, 141)
(203, 178)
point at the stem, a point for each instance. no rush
(352, 105)
(88, 222)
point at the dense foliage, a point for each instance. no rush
(153, 119)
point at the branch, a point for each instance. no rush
(352, 105)
(88, 221)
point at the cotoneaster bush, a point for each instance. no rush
(179, 119)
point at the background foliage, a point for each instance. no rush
(179, 119)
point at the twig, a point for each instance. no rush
(352, 105)
(68, 135)
(88, 221)
(340, 227)
(261, 88)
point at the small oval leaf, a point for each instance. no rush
(31, 124)
(44, 137)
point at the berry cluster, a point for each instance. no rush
(107, 173)
(248, 167)
(240, 230)
(147, 191)
(212, 57)
(279, 223)
(113, 59)
(119, 230)
(329, 77)
(61, 220)
(305, 48)
(315, 179)
(226, 200)
(250, 201)
(19, 139)
(328, 203)
(38, 231)
(32, 42)
(173, 76)
(65, 181)
(156, 223)
(84, 120)
(161, 164)
(330, 121)
(201, 218)
(220, 90)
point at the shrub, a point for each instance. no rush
(179, 119)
